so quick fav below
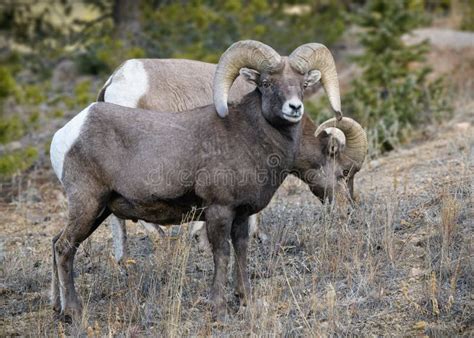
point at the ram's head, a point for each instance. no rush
(343, 145)
(281, 81)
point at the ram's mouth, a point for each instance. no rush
(292, 117)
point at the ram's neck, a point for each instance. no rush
(309, 154)
(281, 141)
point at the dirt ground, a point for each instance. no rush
(399, 262)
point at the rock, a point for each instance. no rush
(375, 163)
(441, 38)
(12, 146)
(462, 126)
(416, 272)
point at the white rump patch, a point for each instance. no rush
(128, 84)
(64, 139)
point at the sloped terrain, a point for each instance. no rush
(397, 262)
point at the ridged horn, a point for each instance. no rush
(246, 53)
(317, 56)
(356, 138)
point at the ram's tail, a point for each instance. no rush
(101, 96)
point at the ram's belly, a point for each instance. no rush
(182, 209)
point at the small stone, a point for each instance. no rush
(374, 164)
(415, 272)
(462, 126)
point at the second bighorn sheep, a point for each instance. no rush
(169, 164)
(177, 85)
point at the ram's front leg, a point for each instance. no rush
(218, 223)
(240, 239)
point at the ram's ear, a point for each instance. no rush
(326, 143)
(332, 140)
(311, 78)
(250, 75)
(323, 137)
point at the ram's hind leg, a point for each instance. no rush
(55, 297)
(119, 236)
(86, 213)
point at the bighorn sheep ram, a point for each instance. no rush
(138, 164)
(177, 85)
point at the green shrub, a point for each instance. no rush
(17, 161)
(392, 96)
(467, 22)
(70, 102)
(103, 54)
(47, 147)
(33, 119)
(11, 129)
(56, 114)
(34, 94)
(7, 83)
(202, 30)
(82, 93)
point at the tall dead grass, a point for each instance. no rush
(397, 262)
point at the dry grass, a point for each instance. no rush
(399, 262)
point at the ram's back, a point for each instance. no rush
(166, 85)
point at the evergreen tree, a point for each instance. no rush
(393, 93)
(202, 29)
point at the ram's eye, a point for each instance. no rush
(305, 84)
(265, 83)
(345, 172)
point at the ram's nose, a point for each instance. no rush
(296, 107)
(293, 110)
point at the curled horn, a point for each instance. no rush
(356, 138)
(246, 53)
(316, 56)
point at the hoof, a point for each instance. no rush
(62, 317)
(219, 318)
(122, 265)
(57, 309)
(219, 314)
(244, 296)
(240, 298)
(67, 319)
(71, 315)
(57, 316)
